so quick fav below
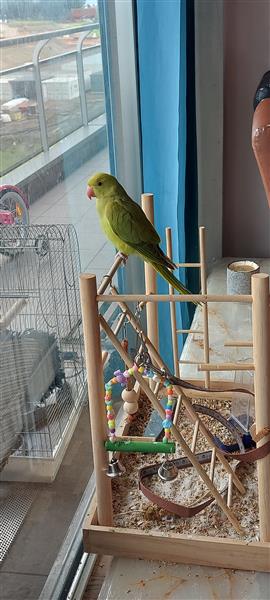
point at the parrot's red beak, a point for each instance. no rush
(90, 192)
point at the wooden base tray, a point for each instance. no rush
(173, 547)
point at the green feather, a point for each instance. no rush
(170, 277)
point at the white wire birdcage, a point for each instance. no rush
(41, 343)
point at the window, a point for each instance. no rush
(53, 137)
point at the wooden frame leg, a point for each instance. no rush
(150, 280)
(94, 366)
(261, 341)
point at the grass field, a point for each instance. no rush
(16, 155)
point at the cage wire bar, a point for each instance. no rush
(42, 369)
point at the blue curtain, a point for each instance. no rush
(165, 38)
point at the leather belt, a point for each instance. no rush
(203, 457)
(249, 456)
(181, 510)
(177, 509)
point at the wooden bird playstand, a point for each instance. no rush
(100, 534)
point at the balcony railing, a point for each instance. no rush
(63, 93)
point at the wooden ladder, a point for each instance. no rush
(199, 426)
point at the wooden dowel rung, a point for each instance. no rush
(122, 430)
(190, 265)
(238, 344)
(230, 490)
(150, 275)
(226, 367)
(156, 388)
(211, 472)
(213, 464)
(195, 435)
(203, 275)
(247, 298)
(172, 307)
(209, 395)
(120, 323)
(107, 279)
(189, 331)
(189, 362)
(177, 409)
(105, 355)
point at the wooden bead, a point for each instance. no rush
(129, 395)
(130, 408)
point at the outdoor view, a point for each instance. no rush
(53, 138)
(20, 98)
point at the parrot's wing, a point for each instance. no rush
(128, 221)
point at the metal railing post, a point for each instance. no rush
(39, 92)
(81, 82)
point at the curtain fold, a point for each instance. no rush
(165, 45)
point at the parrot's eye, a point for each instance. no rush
(100, 183)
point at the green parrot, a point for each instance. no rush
(125, 224)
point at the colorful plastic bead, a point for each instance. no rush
(121, 378)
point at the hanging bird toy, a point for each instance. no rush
(112, 444)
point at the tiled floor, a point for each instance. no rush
(67, 203)
(26, 567)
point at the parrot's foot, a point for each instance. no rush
(123, 256)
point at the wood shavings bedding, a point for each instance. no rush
(133, 510)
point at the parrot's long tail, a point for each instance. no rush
(170, 277)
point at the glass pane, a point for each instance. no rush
(61, 92)
(45, 450)
(20, 133)
(93, 75)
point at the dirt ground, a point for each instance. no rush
(15, 56)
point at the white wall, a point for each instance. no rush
(246, 216)
(209, 108)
